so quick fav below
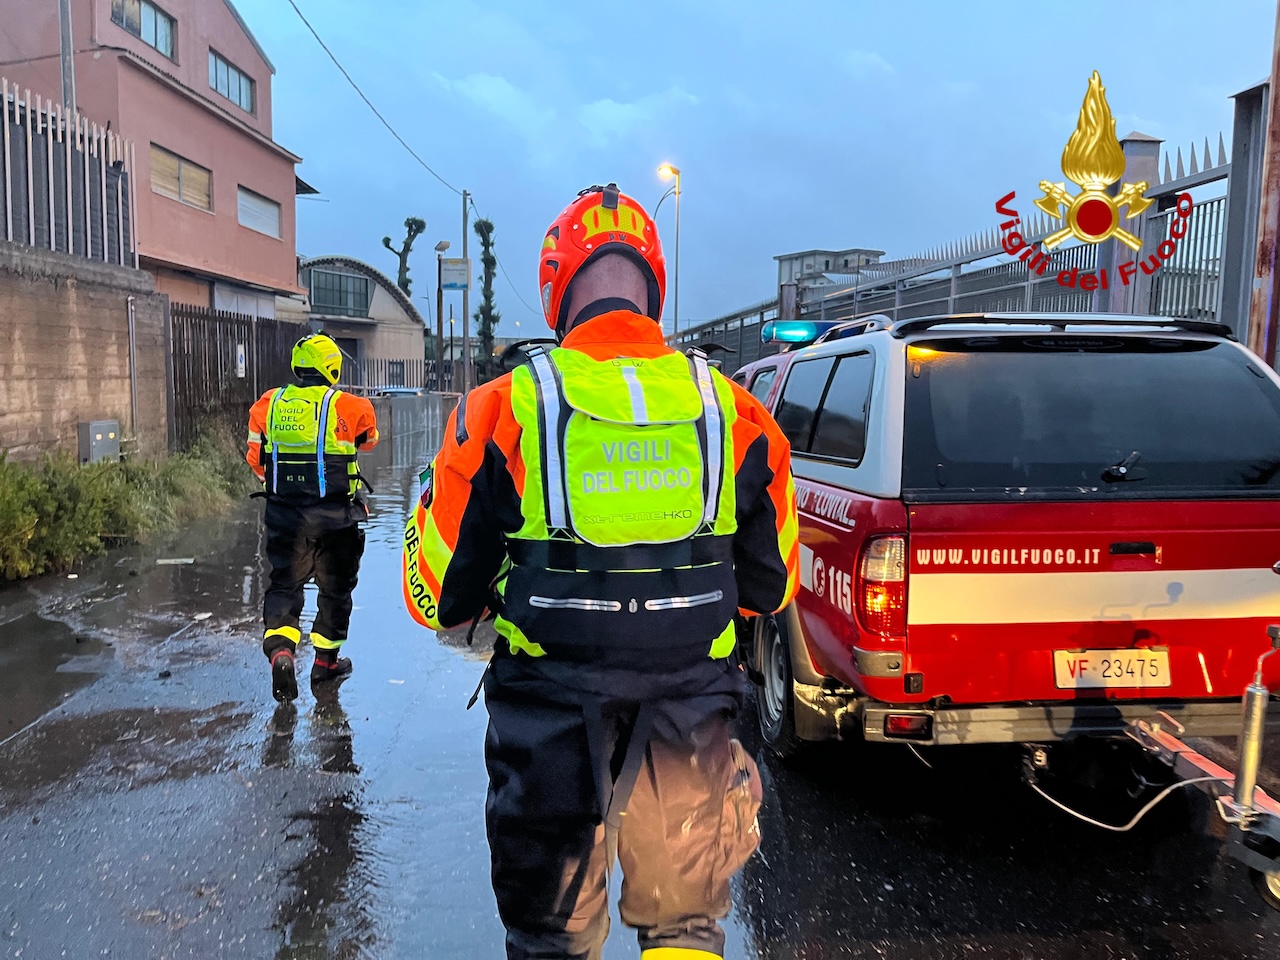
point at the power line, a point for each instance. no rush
(516, 291)
(369, 103)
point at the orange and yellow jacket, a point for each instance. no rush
(348, 422)
(482, 536)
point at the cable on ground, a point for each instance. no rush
(1136, 817)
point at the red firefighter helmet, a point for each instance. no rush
(601, 220)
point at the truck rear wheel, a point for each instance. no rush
(775, 693)
(1267, 884)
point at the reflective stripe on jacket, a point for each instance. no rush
(303, 442)
(644, 556)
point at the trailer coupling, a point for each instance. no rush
(1252, 815)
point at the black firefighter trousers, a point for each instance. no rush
(689, 825)
(323, 542)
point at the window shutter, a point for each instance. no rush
(164, 173)
(197, 186)
(259, 213)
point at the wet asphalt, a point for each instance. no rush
(155, 803)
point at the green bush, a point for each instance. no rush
(58, 512)
(21, 494)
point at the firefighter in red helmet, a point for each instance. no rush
(615, 503)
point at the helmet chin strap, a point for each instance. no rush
(598, 308)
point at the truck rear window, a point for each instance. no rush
(1068, 416)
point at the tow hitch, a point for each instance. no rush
(1253, 816)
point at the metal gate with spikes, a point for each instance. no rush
(1207, 277)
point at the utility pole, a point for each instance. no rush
(1264, 305)
(676, 309)
(68, 55)
(466, 303)
(441, 247)
(439, 322)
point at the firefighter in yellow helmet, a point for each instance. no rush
(615, 502)
(303, 440)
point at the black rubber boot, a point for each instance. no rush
(329, 667)
(284, 677)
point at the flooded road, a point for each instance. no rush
(155, 803)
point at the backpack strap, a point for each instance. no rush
(322, 440)
(551, 419)
(271, 417)
(710, 436)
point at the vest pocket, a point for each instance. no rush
(660, 619)
(295, 476)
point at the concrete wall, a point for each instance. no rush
(397, 336)
(411, 430)
(64, 322)
(184, 288)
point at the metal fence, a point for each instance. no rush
(1188, 283)
(371, 373)
(439, 375)
(220, 363)
(65, 182)
(1208, 276)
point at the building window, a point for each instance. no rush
(179, 179)
(147, 22)
(231, 82)
(260, 214)
(339, 294)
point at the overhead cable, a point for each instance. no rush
(356, 87)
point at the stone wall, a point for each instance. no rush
(64, 352)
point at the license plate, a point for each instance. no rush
(1110, 668)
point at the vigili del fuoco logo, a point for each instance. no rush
(1093, 160)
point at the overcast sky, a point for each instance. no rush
(797, 124)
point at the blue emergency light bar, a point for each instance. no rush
(794, 331)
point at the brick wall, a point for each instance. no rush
(64, 351)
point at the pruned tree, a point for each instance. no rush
(487, 316)
(413, 227)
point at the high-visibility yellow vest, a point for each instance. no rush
(628, 510)
(304, 459)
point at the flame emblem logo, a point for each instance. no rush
(1093, 160)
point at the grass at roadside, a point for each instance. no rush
(56, 513)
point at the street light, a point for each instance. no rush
(441, 247)
(666, 172)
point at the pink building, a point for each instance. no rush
(186, 81)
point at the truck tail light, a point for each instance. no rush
(908, 726)
(882, 586)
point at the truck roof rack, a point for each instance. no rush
(852, 328)
(1061, 321)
